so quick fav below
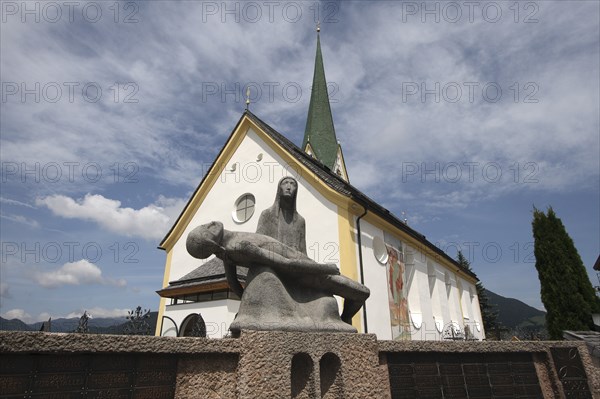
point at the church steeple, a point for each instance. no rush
(319, 136)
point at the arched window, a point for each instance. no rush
(169, 327)
(193, 326)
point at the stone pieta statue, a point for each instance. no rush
(285, 290)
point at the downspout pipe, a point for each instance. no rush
(360, 262)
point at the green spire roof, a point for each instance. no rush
(319, 131)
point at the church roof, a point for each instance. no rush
(209, 270)
(332, 180)
(320, 132)
(210, 274)
(213, 270)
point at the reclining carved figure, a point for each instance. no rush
(247, 249)
(253, 249)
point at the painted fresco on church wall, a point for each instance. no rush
(397, 294)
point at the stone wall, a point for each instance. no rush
(528, 369)
(289, 365)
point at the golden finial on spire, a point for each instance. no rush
(247, 97)
(318, 26)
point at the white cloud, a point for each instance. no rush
(150, 222)
(98, 312)
(17, 314)
(171, 207)
(75, 273)
(95, 312)
(45, 316)
(15, 202)
(21, 219)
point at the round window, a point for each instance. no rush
(244, 208)
(379, 250)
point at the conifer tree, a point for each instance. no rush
(489, 316)
(566, 290)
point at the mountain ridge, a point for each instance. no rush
(513, 313)
(101, 325)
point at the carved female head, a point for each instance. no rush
(288, 187)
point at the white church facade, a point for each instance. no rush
(417, 291)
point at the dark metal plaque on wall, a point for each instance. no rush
(463, 375)
(571, 372)
(148, 376)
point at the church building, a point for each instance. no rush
(418, 292)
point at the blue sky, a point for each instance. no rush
(461, 116)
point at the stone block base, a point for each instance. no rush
(310, 365)
(271, 364)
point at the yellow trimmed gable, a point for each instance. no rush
(218, 166)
